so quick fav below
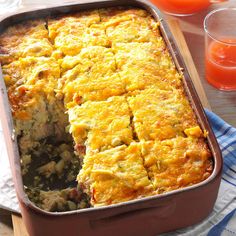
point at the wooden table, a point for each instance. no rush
(222, 103)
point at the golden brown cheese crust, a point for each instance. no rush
(88, 88)
(146, 64)
(92, 60)
(128, 26)
(90, 76)
(116, 175)
(32, 86)
(176, 163)
(72, 33)
(145, 168)
(71, 23)
(160, 114)
(120, 14)
(101, 125)
(30, 76)
(26, 39)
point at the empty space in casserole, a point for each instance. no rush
(50, 180)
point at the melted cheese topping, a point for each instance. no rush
(26, 39)
(72, 34)
(160, 114)
(103, 124)
(145, 64)
(118, 14)
(29, 76)
(133, 28)
(87, 88)
(175, 163)
(95, 60)
(91, 75)
(115, 176)
(70, 24)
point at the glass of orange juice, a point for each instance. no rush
(220, 48)
(183, 7)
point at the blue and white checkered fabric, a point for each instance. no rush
(222, 221)
(226, 137)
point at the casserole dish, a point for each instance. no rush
(156, 214)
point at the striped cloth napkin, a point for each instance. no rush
(221, 222)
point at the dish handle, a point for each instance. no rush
(161, 210)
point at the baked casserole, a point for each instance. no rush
(100, 111)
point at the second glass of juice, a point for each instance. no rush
(220, 48)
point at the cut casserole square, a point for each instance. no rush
(129, 26)
(73, 33)
(37, 113)
(145, 64)
(89, 88)
(72, 43)
(32, 71)
(91, 75)
(160, 114)
(115, 175)
(26, 39)
(92, 60)
(101, 125)
(71, 22)
(131, 31)
(175, 163)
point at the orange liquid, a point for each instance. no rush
(221, 64)
(181, 6)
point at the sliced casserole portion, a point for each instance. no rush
(160, 114)
(90, 76)
(100, 125)
(71, 33)
(37, 112)
(129, 25)
(175, 163)
(25, 39)
(115, 176)
(142, 65)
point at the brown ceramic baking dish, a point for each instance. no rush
(148, 216)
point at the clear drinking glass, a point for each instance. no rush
(8, 5)
(220, 48)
